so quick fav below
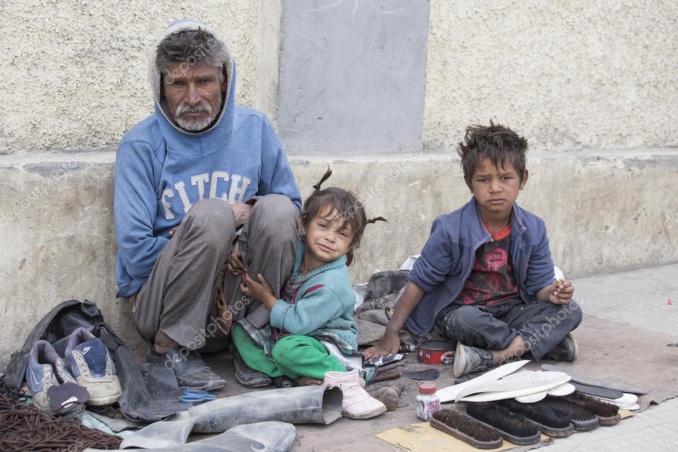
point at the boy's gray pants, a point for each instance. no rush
(543, 324)
(180, 293)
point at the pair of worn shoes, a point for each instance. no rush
(87, 374)
(192, 372)
(473, 359)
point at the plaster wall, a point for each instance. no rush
(568, 75)
(573, 75)
(74, 72)
(352, 76)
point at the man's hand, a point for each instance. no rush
(388, 345)
(241, 212)
(235, 264)
(261, 290)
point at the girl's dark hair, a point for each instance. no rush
(496, 142)
(350, 211)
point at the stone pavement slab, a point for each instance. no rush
(641, 298)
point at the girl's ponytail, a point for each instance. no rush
(375, 219)
(326, 176)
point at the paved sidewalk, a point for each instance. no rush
(641, 298)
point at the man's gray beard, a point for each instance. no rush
(196, 125)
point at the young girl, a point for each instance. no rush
(317, 304)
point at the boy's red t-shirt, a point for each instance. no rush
(492, 280)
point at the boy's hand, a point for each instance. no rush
(561, 292)
(260, 290)
(388, 345)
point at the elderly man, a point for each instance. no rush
(200, 181)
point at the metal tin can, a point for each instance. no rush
(435, 351)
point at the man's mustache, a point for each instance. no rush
(200, 108)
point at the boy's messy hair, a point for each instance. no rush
(496, 142)
(349, 208)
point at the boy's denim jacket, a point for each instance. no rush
(447, 259)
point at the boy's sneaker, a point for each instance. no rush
(470, 359)
(92, 367)
(45, 370)
(567, 350)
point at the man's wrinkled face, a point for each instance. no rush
(193, 95)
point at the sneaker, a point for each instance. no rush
(190, 370)
(92, 366)
(44, 371)
(247, 376)
(567, 350)
(470, 359)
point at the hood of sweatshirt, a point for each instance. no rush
(155, 78)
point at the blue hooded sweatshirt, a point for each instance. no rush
(162, 170)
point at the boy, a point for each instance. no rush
(485, 277)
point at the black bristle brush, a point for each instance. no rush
(582, 418)
(551, 422)
(608, 413)
(466, 429)
(513, 427)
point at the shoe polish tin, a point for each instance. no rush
(435, 351)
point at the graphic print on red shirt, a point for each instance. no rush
(492, 280)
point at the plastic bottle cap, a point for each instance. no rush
(427, 388)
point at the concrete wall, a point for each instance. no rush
(596, 96)
(568, 75)
(74, 73)
(603, 213)
(352, 77)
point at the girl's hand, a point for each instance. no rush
(235, 264)
(261, 290)
(561, 292)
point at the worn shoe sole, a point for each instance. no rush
(574, 346)
(459, 361)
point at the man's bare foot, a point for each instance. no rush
(307, 381)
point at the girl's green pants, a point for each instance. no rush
(294, 356)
